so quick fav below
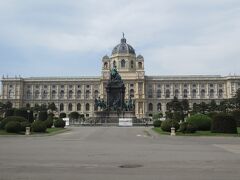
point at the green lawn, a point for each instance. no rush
(198, 133)
(49, 131)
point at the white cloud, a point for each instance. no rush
(175, 37)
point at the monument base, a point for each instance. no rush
(112, 117)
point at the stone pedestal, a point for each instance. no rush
(28, 132)
(112, 117)
(173, 133)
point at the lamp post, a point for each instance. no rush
(28, 111)
(27, 132)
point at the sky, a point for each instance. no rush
(70, 37)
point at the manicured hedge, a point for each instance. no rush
(167, 124)
(236, 115)
(49, 122)
(59, 123)
(24, 125)
(13, 127)
(11, 119)
(187, 127)
(157, 123)
(39, 126)
(223, 123)
(200, 122)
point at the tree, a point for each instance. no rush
(62, 115)
(42, 116)
(203, 107)
(74, 115)
(6, 109)
(213, 106)
(177, 109)
(157, 116)
(52, 106)
(236, 100)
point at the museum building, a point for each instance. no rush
(150, 93)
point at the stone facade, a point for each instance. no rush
(150, 93)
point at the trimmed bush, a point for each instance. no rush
(212, 114)
(42, 116)
(157, 123)
(59, 123)
(13, 127)
(50, 116)
(39, 126)
(200, 121)
(236, 115)
(49, 122)
(223, 123)
(10, 119)
(24, 125)
(62, 115)
(186, 127)
(167, 124)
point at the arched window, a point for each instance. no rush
(139, 65)
(159, 107)
(150, 107)
(70, 107)
(61, 107)
(167, 93)
(79, 107)
(37, 94)
(79, 94)
(87, 107)
(158, 93)
(194, 93)
(105, 65)
(185, 93)
(132, 64)
(114, 63)
(62, 94)
(96, 94)
(87, 94)
(176, 93)
(54, 94)
(123, 63)
(220, 93)
(70, 94)
(132, 93)
(211, 94)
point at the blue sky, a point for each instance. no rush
(69, 38)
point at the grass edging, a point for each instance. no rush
(198, 133)
(49, 132)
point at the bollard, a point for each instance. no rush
(27, 131)
(173, 133)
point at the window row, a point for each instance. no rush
(194, 93)
(62, 94)
(70, 107)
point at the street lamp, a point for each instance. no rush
(28, 111)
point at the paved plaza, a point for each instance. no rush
(115, 153)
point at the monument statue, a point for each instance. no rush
(115, 106)
(115, 91)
